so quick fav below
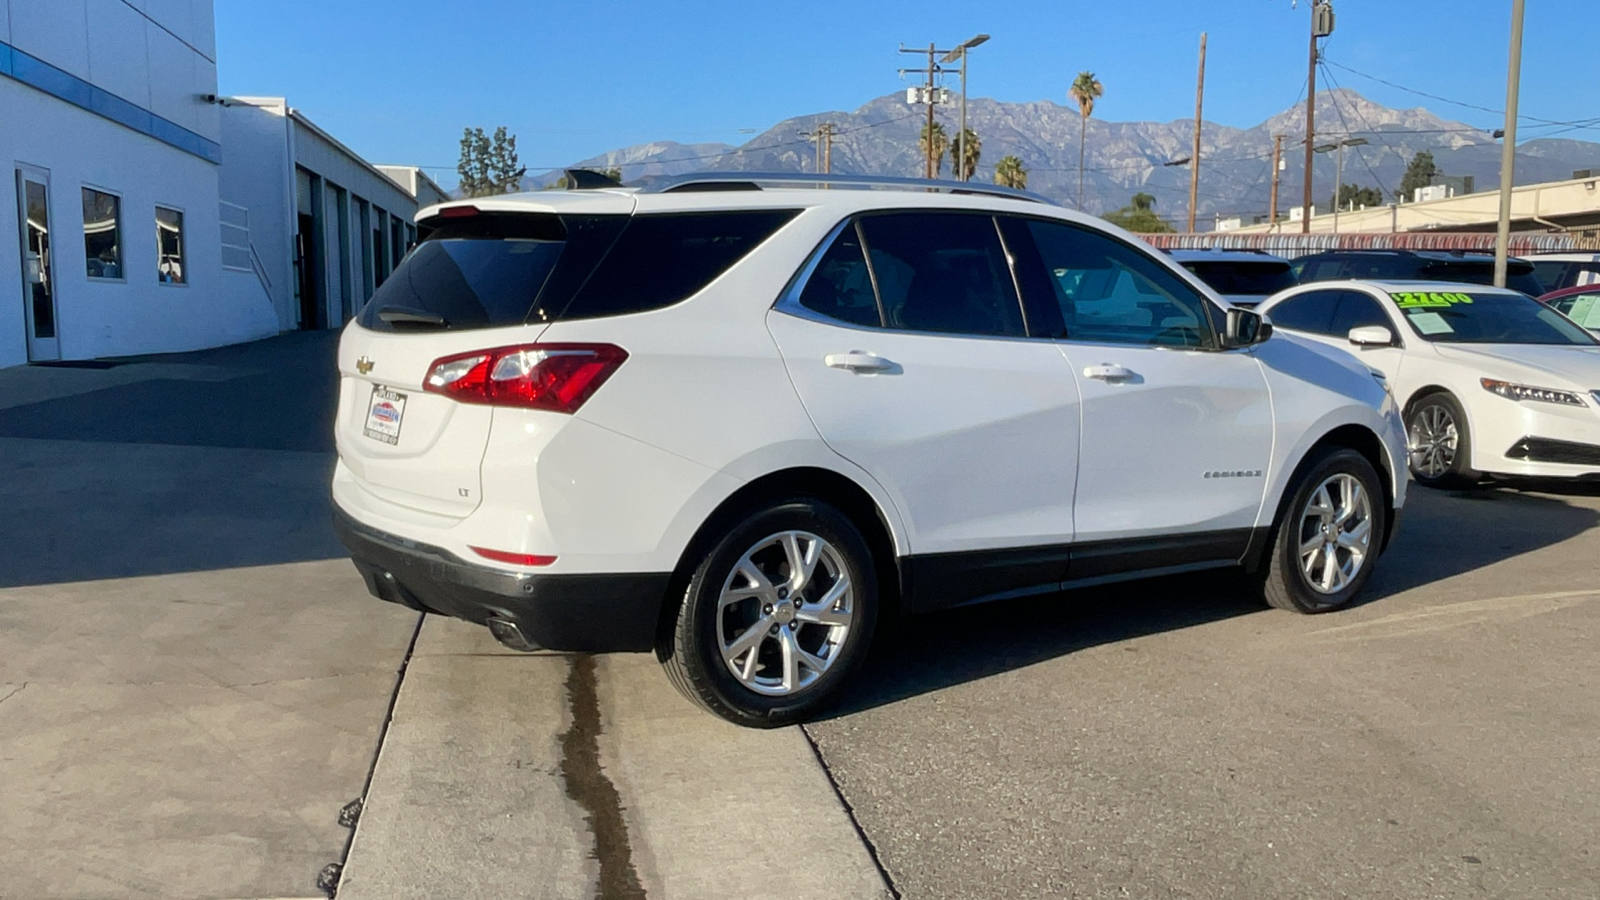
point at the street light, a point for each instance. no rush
(960, 52)
(1338, 178)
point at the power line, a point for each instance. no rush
(1333, 95)
(1588, 123)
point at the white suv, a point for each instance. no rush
(739, 421)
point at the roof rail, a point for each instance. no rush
(752, 181)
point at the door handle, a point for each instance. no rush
(1108, 372)
(858, 361)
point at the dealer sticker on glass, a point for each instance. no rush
(383, 415)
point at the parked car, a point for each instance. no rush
(1563, 270)
(1491, 380)
(739, 425)
(1414, 265)
(1243, 277)
(1581, 304)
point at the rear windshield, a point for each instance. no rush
(488, 271)
(1240, 277)
(1451, 317)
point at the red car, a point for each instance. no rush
(1580, 303)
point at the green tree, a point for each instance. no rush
(488, 164)
(1011, 173)
(939, 141)
(1085, 89)
(614, 173)
(1355, 196)
(1140, 216)
(974, 148)
(1419, 174)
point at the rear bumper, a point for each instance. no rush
(580, 613)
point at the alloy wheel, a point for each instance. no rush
(785, 613)
(1433, 439)
(1335, 533)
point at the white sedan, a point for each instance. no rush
(1490, 381)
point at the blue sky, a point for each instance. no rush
(398, 81)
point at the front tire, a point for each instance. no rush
(1438, 442)
(1328, 535)
(777, 615)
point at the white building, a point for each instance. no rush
(133, 215)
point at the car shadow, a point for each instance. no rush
(1442, 535)
(153, 465)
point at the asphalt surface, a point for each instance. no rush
(1174, 739)
(193, 682)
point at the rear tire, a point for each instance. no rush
(777, 615)
(1327, 537)
(1438, 443)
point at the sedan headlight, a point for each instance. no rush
(1527, 392)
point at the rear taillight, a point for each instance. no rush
(556, 377)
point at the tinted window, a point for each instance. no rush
(944, 273)
(1581, 308)
(1357, 310)
(840, 287)
(1482, 318)
(1108, 291)
(1312, 311)
(469, 281)
(1519, 275)
(663, 259)
(1243, 277)
(1552, 275)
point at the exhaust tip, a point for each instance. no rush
(510, 634)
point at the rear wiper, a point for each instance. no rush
(410, 315)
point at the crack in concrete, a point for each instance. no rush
(589, 786)
(13, 693)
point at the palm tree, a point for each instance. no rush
(940, 142)
(1010, 173)
(974, 147)
(1085, 88)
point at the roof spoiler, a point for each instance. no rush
(589, 180)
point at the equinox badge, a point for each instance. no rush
(363, 365)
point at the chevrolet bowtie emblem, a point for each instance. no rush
(363, 365)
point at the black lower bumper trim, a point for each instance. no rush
(579, 613)
(1549, 450)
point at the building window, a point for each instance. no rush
(169, 246)
(102, 233)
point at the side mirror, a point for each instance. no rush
(1246, 327)
(1372, 336)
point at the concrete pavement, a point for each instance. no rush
(193, 679)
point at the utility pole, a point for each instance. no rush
(1321, 26)
(930, 96)
(1508, 153)
(1194, 156)
(1277, 166)
(822, 138)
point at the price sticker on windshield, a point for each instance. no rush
(1428, 299)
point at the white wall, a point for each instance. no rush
(136, 314)
(255, 174)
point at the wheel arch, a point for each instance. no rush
(1350, 436)
(829, 486)
(1432, 389)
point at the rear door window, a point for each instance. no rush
(1357, 309)
(840, 287)
(1312, 311)
(942, 272)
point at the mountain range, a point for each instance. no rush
(1123, 158)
